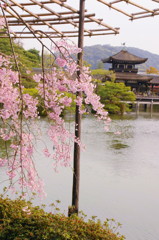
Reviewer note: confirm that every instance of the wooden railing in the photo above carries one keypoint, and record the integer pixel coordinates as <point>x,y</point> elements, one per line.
<point>147,98</point>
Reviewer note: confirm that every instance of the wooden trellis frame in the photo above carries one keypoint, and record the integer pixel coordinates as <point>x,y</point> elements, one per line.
<point>36,22</point>
<point>145,12</point>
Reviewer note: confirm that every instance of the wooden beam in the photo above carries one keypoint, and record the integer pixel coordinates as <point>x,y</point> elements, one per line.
<point>50,19</point>
<point>64,32</point>
<point>41,14</point>
<point>145,12</point>
<point>54,23</point>
<point>115,8</point>
<point>117,1</point>
<point>30,4</point>
<point>145,16</point>
<point>65,36</point>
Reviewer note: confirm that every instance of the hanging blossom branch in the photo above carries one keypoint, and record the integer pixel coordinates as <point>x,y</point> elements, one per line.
<point>17,108</point>
<point>21,102</point>
<point>64,79</point>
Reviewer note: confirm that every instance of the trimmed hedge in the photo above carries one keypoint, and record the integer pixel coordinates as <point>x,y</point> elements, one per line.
<point>19,220</point>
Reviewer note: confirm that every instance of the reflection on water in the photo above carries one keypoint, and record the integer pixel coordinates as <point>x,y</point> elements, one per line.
<point>4,148</point>
<point>119,174</point>
<point>117,144</point>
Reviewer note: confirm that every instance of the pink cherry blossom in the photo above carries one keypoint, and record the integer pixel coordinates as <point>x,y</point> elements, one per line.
<point>46,152</point>
<point>2,22</point>
<point>61,62</point>
<point>26,210</point>
<point>19,111</point>
<point>117,133</point>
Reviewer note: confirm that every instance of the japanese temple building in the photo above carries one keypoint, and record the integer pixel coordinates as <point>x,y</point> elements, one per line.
<point>124,66</point>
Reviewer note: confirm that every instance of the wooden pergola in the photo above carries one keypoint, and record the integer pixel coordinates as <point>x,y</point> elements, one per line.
<point>30,19</point>
<point>39,19</point>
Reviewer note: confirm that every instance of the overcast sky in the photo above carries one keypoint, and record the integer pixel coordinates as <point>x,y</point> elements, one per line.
<point>143,33</point>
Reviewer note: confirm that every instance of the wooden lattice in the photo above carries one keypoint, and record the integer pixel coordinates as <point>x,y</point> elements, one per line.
<point>145,11</point>
<point>39,19</point>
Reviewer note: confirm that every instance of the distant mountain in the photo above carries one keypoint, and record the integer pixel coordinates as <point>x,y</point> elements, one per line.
<point>94,54</point>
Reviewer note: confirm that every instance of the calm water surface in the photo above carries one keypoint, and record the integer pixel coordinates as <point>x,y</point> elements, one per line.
<point>119,174</point>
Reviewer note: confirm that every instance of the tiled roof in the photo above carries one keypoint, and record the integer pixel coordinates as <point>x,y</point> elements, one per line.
<point>124,57</point>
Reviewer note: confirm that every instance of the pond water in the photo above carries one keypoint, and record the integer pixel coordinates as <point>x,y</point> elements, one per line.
<point>119,174</point>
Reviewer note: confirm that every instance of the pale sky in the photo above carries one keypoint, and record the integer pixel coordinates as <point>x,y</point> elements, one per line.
<point>142,33</point>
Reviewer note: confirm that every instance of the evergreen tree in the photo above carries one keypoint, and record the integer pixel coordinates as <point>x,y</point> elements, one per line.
<point>113,96</point>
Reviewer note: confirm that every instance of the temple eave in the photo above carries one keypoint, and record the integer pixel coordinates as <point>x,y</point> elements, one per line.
<point>131,76</point>
<point>124,61</point>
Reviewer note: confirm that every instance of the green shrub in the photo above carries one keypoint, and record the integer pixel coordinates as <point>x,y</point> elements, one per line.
<point>99,71</point>
<point>115,96</point>
<point>19,220</point>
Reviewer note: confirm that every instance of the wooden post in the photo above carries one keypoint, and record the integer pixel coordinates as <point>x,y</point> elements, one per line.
<point>152,90</point>
<point>137,107</point>
<point>76,163</point>
<point>151,108</point>
<point>145,107</point>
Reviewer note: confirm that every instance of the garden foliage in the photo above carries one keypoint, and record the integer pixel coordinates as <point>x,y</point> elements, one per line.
<point>115,96</point>
<point>19,220</point>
